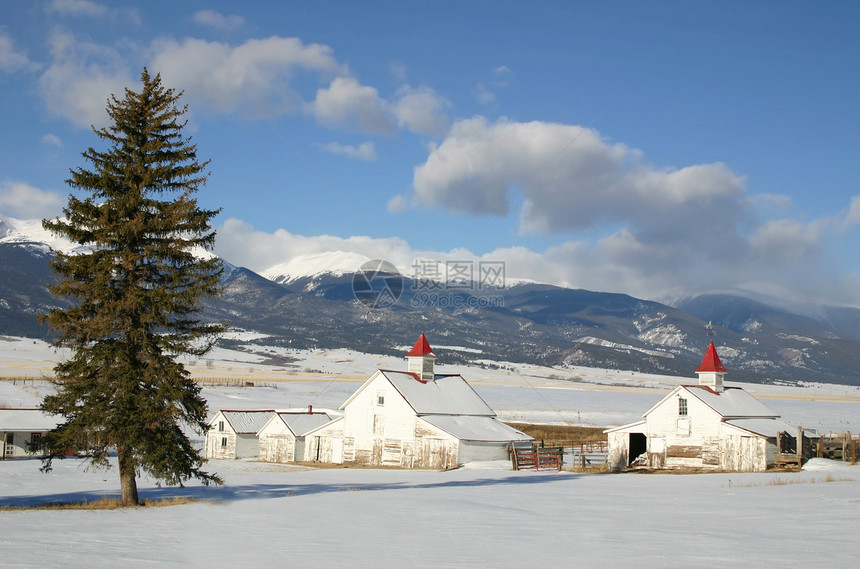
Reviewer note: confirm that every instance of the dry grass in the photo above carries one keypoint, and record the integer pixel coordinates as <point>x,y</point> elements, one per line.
<point>558,433</point>
<point>589,468</point>
<point>103,503</point>
<point>777,481</point>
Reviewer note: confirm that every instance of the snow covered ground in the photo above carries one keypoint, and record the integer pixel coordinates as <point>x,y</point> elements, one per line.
<point>275,515</point>
<point>479,516</point>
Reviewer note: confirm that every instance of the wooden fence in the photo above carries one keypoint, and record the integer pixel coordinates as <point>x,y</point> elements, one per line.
<point>537,458</point>
<point>842,447</point>
<point>554,456</point>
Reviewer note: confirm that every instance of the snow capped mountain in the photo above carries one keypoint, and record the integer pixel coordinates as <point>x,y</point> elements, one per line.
<point>30,232</point>
<point>334,263</point>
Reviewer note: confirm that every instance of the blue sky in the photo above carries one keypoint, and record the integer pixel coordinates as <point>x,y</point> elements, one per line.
<point>654,149</point>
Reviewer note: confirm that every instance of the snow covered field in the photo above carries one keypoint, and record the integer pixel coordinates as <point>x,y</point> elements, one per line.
<point>480,516</point>
<point>273,515</point>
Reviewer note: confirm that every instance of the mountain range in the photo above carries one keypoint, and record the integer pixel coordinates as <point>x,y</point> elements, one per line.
<point>340,300</point>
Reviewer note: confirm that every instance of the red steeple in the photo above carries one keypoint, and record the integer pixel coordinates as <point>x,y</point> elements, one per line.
<point>422,348</point>
<point>711,361</point>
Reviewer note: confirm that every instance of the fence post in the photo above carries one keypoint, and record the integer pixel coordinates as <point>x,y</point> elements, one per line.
<point>799,446</point>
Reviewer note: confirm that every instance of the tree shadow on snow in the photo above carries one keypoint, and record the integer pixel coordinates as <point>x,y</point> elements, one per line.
<point>235,493</point>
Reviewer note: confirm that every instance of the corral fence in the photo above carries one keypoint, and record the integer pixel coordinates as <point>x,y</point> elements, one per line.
<point>536,458</point>
<point>838,446</point>
<point>231,382</point>
<point>558,454</point>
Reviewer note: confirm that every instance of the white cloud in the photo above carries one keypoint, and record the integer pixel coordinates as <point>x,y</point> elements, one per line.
<point>421,110</point>
<point>348,104</point>
<point>12,60</point>
<point>608,265</point>
<point>52,140</point>
<point>81,78</point>
<point>239,243</point>
<point>787,242</point>
<point>649,230</point>
<point>77,8</point>
<point>365,151</point>
<point>772,202</point>
<point>259,78</point>
<point>398,71</point>
<point>397,204</point>
<point>24,201</point>
<point>483,95</point>
<point>570,179</point>
<point>217,20</point>
<point>853,215</point>
<point>252,78</point>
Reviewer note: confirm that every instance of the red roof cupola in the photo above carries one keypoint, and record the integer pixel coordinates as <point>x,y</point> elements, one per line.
<point>421,360</point>
<point>711,361</point>
<point>421,348</point>
<point>711,372</point>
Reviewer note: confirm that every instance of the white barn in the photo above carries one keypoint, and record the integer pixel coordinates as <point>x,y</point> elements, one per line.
<point>282,436</point>
<point>22,427</point>
<point>413,419</point>
<point>701,426</point>
<point>233,433</point>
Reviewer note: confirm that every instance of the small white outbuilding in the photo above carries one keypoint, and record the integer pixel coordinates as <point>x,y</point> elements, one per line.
<point>21,429</point>
<point>413,419</point>
<point>282,436</point>
<point>233,433</point>
<point>701,426</point>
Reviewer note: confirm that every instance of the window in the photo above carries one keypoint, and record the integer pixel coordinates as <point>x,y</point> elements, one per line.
<point>682,407</point>
<point>221,426</point>
<point>35,442</point>
<point>380,399</point>
<point>223,442</point>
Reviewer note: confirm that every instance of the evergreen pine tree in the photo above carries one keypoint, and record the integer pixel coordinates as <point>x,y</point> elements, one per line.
<point>135,296</point>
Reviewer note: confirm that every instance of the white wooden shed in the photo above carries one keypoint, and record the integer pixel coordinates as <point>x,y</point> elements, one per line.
<point>21,427</point>
<point>233,433</point>
<point>413,419</point>
<point>701,426</point>
<point>282,436</point>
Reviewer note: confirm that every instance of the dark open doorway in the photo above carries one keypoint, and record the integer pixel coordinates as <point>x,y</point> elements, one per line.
<point>638,445</point>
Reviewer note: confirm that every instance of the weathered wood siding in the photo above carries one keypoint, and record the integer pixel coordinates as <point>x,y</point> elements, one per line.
<point>277,447</point>
<point>323,445</point>
<point>744,452</point>
<point>618,445</point>
<point>434,448</point>
<point>379,428</point>
<point>220,444</point>
<point>688,441</point>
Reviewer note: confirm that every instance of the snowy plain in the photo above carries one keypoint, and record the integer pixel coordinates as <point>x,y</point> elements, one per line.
<point>482,515</point>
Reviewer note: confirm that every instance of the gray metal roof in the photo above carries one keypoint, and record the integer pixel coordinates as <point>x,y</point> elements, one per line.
<point>733,402</point>
<point>763,426</point>
<point>476,428</point>
<point>301,423</point>
<point>445,395</point>
<point>247,422</point>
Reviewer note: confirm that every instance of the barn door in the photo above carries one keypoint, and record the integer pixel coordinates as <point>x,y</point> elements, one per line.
<point>637,445</point>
